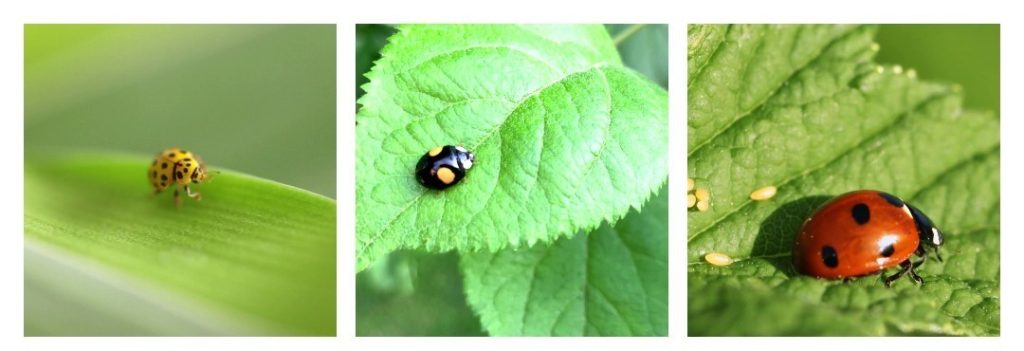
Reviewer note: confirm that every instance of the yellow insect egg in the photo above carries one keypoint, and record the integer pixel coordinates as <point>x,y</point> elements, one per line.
<point>690,200</point>
<point>764,193</point>
<point>718,259</point>
<point>689,184</point>
<point>703,205</point>
<point>702,194</point>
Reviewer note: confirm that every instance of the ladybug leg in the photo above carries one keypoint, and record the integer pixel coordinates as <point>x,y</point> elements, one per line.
<point>937,254</point>
<point>921,251</point>
<point>913,274</point>
<point>904,267</point>
<point>915,277</point>
<point>177,197</point>
<point>924,256</point>
<point>194,195</point>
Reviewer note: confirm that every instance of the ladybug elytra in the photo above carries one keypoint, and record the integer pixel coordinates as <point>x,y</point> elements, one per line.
<point>865,232</point>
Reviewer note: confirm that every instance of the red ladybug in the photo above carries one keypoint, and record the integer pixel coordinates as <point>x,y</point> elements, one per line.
<point>865,232</point>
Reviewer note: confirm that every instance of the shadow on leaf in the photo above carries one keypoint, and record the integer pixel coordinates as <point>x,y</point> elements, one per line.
<point>774,241</point>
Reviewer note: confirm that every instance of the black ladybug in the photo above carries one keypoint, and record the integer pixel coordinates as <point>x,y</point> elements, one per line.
<point>443,166</point>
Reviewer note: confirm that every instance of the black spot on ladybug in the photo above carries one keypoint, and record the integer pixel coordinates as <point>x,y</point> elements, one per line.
<point>895,201</point>
<point>163,177</point>
<point>183,152</point>
<point>178,174</point>
<point>170,155</point>
<point>861,213</point>
<point>188,164</point>
<point>154,174</point>
<point>187,159</point>
<point>163,166</point>
<point>888,250</point>
<point>829,256</point>
<point>163,184</point>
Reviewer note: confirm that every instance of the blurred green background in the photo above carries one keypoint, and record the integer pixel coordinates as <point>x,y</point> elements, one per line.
<point>418,294</point>
<point>966,54</point>
<point>259,99</point>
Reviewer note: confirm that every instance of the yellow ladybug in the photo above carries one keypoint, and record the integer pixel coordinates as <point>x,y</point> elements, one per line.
<point>176,167</point>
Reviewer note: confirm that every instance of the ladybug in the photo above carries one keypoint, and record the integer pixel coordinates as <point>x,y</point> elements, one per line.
<point>864,232</point>
<point>443,166</point>
<point>176,167</point>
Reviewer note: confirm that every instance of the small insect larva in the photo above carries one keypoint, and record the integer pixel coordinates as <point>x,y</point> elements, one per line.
<point>718,259</point>
<point>690,200</point>
<point>764,193</point>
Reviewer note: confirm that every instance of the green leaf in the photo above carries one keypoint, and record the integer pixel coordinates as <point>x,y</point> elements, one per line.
<point>565,137</point>
<point>370,38</point>
<point>257,252</point>
<point>612,281</point>
<point>834,122</point>
<point>410,293</point>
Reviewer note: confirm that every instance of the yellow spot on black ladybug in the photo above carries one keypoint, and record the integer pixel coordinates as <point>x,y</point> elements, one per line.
<point>445,175</point>
<point>435,151</point>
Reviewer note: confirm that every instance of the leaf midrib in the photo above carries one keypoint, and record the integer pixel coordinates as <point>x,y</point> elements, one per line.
<point>761,103</point>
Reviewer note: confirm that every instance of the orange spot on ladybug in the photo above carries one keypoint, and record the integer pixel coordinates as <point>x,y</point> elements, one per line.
<point>445,175</point>
<point>435,151</point>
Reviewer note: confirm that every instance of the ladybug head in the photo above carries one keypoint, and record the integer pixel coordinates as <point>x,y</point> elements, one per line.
<point>935,237</point>
<point>465,157</point>
<point>202,175</point>
<point>926,230</point>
